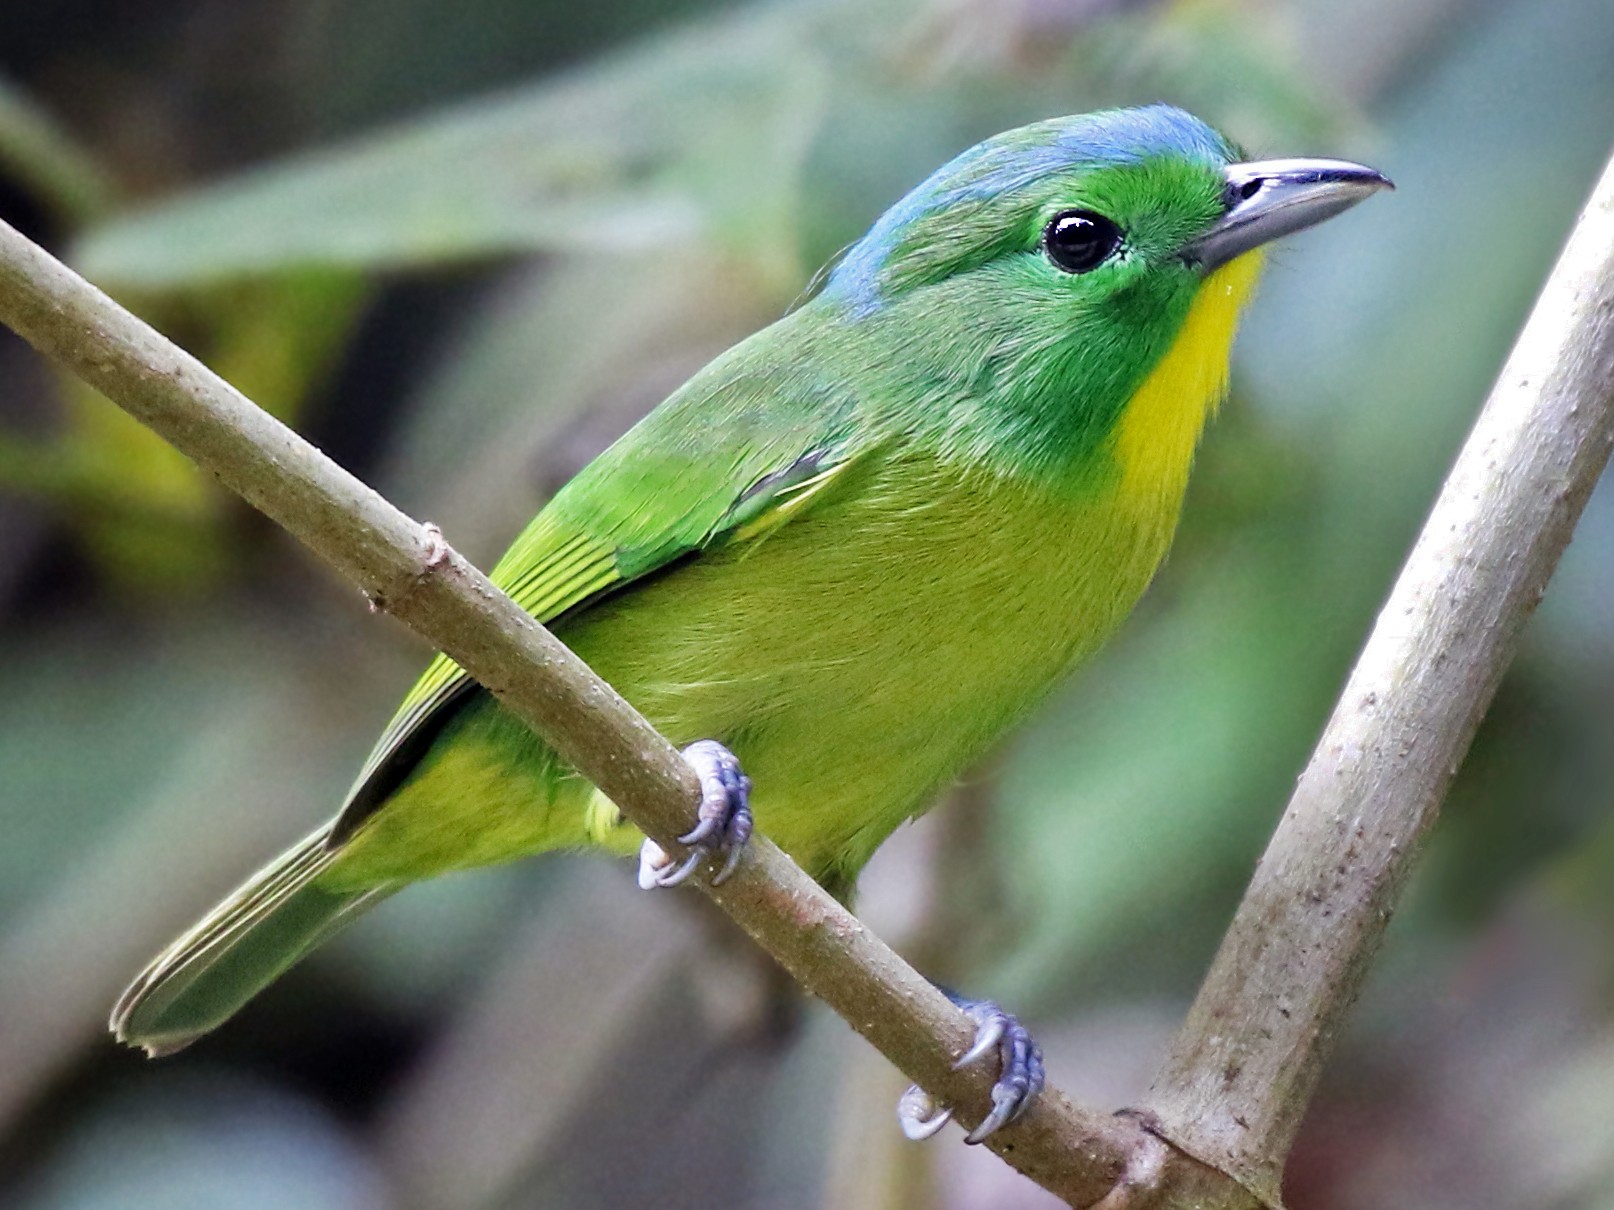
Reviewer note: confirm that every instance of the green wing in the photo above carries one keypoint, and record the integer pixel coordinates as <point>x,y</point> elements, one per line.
<point>692,476</point>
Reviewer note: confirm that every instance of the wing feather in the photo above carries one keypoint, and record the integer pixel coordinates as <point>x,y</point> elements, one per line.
<point>653,498</point>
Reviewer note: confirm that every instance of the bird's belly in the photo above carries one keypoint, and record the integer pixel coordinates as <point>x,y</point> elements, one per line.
<point>862,656</point>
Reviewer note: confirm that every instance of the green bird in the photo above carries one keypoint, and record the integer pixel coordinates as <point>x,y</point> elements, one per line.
<point>844,557</point>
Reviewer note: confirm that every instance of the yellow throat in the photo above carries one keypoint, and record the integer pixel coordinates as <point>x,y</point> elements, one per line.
<point>1155,440</point>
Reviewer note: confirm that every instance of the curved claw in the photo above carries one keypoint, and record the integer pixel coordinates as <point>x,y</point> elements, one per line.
<point>986,1038</point>
<point>918,1115</point>
<point>702,832</point>
<point>1020,1074</point>
<point>671,875</point>
<point>1020,1071</point>
<point>729,865</point>
<point>723,825</point>
<point>1007,1104</point>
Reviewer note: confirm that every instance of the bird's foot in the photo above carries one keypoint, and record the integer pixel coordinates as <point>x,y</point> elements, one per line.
<point>1020,1074</point>
<point>723,821</point>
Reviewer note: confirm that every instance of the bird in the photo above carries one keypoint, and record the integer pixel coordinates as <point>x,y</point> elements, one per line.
<point>845,557</point>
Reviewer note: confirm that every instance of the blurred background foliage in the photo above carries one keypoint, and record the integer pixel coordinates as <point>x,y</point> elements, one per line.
<point>462,246</point>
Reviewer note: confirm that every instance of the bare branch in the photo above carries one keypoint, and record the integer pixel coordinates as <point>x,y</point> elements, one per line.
<point>1245,1065</point>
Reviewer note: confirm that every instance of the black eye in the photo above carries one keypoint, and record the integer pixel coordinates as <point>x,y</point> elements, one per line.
<point>1079,240</point>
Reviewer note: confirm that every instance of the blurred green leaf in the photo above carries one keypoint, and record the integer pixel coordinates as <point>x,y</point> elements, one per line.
<point>699,140</point>
<point>142,512</point>
<point>276,339</point>
<point>38,153</point>
<point>698,137</point>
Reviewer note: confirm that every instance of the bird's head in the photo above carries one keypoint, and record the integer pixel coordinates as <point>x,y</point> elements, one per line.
<point>1054,272</point>
<point>1090,209</point>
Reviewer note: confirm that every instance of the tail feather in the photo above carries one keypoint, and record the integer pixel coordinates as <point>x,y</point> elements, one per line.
<point>241,946</point>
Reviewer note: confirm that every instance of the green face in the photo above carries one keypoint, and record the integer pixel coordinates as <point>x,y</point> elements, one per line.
<point>1145,182</point>
<point>1032,283</point>
<point>1023,292</point>
<point>1082,236</point>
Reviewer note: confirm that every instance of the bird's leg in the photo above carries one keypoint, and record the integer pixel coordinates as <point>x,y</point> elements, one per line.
<point>1020,1074</point>
<point>723,825</point>
<point>723,820</point>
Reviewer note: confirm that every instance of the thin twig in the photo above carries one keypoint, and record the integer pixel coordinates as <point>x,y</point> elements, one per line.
<point>1246,1062</point>
<point>406,568</point>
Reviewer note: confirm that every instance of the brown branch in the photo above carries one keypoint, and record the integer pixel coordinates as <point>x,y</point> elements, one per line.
<point>405,568</point>
<point>1246,1062</point>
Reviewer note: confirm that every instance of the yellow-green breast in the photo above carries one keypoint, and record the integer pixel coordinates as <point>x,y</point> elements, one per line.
<point>857,658</point>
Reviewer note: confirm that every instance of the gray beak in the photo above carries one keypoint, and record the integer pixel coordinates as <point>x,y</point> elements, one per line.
<point>1268,199</point>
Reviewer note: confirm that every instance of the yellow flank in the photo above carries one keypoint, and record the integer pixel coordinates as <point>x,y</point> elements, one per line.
<point>1155,439</point>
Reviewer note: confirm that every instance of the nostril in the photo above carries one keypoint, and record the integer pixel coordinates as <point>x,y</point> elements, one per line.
<point>1239,191</point>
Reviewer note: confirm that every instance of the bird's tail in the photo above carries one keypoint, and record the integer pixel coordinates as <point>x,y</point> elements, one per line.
<point>237,950</point>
